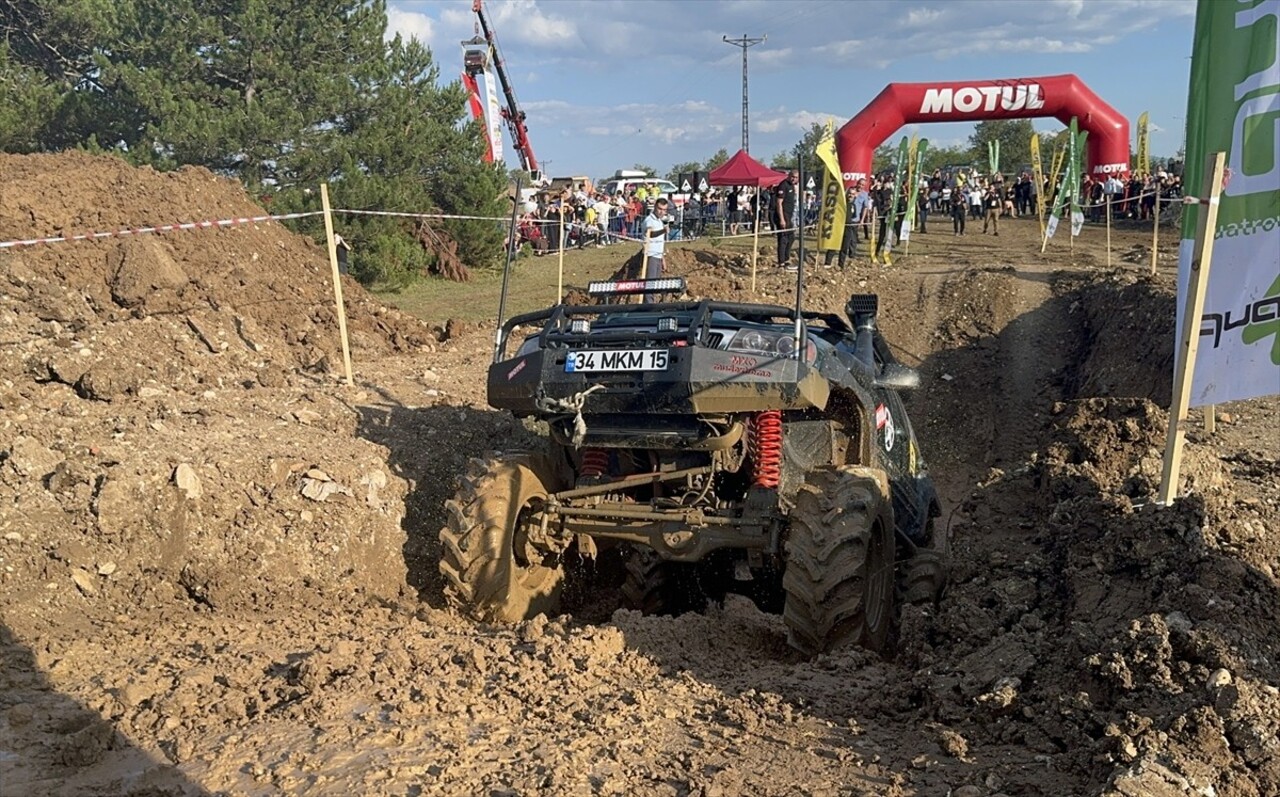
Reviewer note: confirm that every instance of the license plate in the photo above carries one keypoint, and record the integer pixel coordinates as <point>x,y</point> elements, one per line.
<point>614,360</point>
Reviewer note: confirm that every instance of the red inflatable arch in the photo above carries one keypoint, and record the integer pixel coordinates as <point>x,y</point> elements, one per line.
<point>1060,96</point>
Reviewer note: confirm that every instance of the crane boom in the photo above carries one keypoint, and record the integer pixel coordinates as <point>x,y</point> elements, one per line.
<point>512,113</point>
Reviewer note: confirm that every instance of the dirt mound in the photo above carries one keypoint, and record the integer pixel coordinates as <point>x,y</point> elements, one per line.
<point>256,295</point>
<point>171,431</point>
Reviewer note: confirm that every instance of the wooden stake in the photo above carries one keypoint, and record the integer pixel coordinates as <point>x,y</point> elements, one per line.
<point>1108,196</point>
<point>1189,339</point>
<point>560,273</point>
<point>337,281</point>
<point>755,242</point>
<point>1155,232</point>
<point>1210,418</point>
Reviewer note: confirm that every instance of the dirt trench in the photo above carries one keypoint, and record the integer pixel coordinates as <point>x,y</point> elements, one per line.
<point>217,571</point>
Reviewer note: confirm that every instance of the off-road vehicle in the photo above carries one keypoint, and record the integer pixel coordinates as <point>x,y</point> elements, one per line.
<point>729,446</point>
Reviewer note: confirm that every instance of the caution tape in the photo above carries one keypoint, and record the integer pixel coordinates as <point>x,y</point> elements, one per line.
<point>186,225</point>
<point>406,215</point>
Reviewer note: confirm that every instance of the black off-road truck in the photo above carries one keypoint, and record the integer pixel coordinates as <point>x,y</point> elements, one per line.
<point>728,446</point>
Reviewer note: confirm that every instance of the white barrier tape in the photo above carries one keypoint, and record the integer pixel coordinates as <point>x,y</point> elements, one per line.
<point>188,225</point>
<point>402,214</point>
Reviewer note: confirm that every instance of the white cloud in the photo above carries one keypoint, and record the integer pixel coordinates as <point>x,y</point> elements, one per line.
<point>527,22</point>
<point>410,25</point>
<point>782,120</point>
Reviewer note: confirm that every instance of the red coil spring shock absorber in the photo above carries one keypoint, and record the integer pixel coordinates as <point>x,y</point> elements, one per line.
<point>766,448</point>
<point>595,461</point>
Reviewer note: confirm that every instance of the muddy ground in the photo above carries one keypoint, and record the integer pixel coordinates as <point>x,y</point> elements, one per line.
<point>217,561</point>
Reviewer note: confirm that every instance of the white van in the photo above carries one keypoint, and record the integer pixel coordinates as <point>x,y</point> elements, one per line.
<point>624,180</point>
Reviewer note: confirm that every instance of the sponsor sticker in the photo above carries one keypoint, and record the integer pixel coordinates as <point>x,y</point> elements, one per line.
<point>519,367</point>
<point>884,421</point>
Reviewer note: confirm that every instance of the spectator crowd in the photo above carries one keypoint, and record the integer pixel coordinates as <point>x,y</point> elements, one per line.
<point>593,218</point>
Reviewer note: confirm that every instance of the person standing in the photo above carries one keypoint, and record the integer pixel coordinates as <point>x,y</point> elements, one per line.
<point>923,200</point>
<point>784,211</point>
<point>958,216</point>
<point>655,239</point>
<point>735,213</point>
<point>853,216</point>
<point>993,203</point>
<point>975,201</point>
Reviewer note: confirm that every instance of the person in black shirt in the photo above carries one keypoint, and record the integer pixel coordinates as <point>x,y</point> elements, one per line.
<point>784,212</point>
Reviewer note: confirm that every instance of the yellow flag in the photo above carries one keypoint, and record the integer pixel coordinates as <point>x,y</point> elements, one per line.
<point>1143,166</point>
<point>835,208</point>
<point>1037,174</point>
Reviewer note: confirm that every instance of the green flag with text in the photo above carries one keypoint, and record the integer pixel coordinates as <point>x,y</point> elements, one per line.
<point>1234,107</point>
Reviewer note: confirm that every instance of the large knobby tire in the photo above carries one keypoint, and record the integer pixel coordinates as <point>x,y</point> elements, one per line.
<point>654,585</point>
<point>490,570</point>
<point>926,574</point>
<point>839,580</point>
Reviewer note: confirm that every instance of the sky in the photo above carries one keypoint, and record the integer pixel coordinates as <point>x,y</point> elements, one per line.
<point>606,84</point>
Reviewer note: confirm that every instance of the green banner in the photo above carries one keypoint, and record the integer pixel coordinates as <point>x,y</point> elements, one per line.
<point>899,177</point>
<point>1081,138</point>
<point>993,156</point>
<point>913,191</point>
<point>1234,107</point>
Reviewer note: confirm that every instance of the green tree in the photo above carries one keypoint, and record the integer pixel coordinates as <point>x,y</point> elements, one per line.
<point>56,86</point>
<point>884,156</point>
<point>942,157</point>
<point>1014,136</point>
<point>640,167</point>
<point>802,153</point>
<point>717,160</point>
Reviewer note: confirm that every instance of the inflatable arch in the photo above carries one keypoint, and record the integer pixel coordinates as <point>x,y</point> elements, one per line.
<point>1060,96</point>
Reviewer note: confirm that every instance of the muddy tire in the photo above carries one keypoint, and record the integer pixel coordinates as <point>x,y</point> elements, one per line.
<point>839,581</point>
<point>926,573</point>
<point>654,585</point>
<point>491,571</point>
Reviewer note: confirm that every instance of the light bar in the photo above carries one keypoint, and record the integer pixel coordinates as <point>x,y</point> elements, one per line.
<point>580,326</point>
<point>618,287</point>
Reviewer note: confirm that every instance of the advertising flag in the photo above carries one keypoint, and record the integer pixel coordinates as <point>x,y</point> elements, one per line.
<point>1142,163</point>
<point>1037,174</point>
<point>908,191</point>
<point>993,156</point>
<point>835,207</point>
<point>891,212</point>
<point>1069,188</point>
<point>916,156</point>
<point>477,112</point>
<point>1233,107</point>
<point>493,115</point>
<point>1077,168</point>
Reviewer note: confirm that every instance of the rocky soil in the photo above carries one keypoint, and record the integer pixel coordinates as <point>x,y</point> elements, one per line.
<point>218,561</point>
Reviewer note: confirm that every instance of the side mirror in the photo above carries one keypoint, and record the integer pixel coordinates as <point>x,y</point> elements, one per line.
<point>898,377</point>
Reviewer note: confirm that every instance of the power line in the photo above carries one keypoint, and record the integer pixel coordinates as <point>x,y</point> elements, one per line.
<point>744,43</point>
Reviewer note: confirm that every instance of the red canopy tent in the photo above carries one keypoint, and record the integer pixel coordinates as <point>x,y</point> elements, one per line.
<point>742,169</point>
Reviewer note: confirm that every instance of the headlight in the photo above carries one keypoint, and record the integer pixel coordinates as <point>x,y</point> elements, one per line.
<point>776,343</point>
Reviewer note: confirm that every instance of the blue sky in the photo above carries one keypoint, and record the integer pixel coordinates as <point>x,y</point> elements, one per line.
<point>609,83</point>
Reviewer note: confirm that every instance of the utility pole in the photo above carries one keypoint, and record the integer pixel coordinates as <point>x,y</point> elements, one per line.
<point>744,43</point>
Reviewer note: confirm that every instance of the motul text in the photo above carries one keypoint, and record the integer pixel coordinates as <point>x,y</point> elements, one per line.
<point>983,98</point>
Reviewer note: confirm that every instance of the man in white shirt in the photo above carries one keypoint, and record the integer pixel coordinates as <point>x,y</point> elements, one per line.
<point>655,238</point>
<point>602,209</point>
